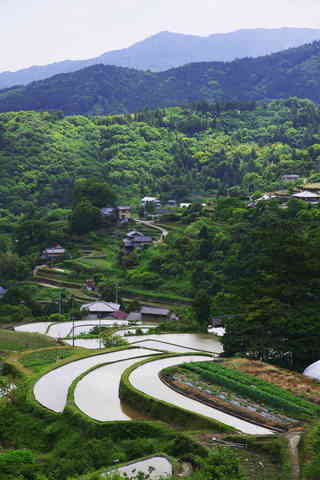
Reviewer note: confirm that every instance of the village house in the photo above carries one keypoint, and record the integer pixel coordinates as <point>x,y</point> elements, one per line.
<point>150,200</point>
<point>99,309</point>
<point>114,214</point>
<point>136,239</point>
<point>3,291</point>
<point>154,314</point>
<point>312,187</point>
<point>108,213</point>
<point>307,196</point>
<point>290,178</point>
<point>216,322</point>
<point>89,285</point>
<point>124,213</point>
<point>54,253</point>
<point>134,317</point>
<point>119,315</point>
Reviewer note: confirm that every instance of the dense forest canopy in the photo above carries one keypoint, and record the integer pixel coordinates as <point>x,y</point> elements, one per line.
<point>178,152</point>
<point>166,50</point>
<point>103,89</point>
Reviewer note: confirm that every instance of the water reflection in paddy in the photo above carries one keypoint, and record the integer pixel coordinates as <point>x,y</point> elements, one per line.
<point>155,467</point>
<point>146,379</point>
<point>313,370</point>
<point>97,394</point>
<point>37,327</point>
<point>51,390</point>
<point>64,329</point>
<point>170,342</point>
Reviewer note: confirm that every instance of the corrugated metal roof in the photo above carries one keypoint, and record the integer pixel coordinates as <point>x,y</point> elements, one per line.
<point>134,317</point>
<point>100,307</point>
<point>154,311</point>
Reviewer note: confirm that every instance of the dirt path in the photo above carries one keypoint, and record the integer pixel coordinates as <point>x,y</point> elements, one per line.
<point>150,224</point>
<point>38,267</point>
<point>293,441</point>
<point>13,359</point>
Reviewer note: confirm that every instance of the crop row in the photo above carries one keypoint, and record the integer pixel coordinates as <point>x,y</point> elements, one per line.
<point>268,387</point>
<point>256,389</point>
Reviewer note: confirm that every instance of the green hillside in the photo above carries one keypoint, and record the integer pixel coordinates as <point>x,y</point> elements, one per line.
<point>103,89</point>
<point>175,152</point>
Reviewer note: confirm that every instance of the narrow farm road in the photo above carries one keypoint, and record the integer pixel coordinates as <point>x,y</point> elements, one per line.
<point>150,224</point>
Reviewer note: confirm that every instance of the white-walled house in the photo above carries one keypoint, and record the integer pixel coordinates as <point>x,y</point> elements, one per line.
<point>99,309</point>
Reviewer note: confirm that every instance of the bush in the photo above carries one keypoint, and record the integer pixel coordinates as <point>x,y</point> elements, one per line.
<point>16,463</point>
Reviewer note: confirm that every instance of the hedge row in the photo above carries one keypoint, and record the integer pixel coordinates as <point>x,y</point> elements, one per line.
<point>164,411</point>
<point>59,283</point>
<point>252,391</point>
<point>161,297</point>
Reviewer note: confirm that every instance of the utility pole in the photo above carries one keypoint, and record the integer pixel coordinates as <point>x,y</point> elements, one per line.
<point>117,292</point>
<point>60,302</point>
<point>72,319</point>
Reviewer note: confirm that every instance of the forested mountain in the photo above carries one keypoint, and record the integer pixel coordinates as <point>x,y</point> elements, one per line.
<point>166,50</point>
<point>174,152</point>
<point>104,89</point>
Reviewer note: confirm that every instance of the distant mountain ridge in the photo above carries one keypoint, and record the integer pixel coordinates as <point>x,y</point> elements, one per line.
<point>167,50</point>
<point>105,89</point>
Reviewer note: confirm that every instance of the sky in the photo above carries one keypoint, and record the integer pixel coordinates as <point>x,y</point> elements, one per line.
<point>38,32</point>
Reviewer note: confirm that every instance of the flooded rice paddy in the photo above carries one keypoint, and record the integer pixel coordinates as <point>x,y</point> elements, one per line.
<point>146,379</point>
<point>64,329</point>
<point>155,467</point>
<point>51,390</point>
<point>168,342</point>
<point>313,370</point>
<point>97,394</point>
<point>37,327</point>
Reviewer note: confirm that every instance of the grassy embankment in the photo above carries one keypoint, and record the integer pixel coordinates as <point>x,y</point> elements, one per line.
<point>256,389</point>
<point>133,439</point>
<point>19,341</point>
<point>165,411</point>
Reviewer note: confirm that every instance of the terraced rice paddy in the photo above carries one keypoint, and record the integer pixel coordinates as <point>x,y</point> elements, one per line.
<point>168,342</point>
<point>97,395</point>
<point>146,379</point>
<point>313,370</point>
<point>155,467</point>
<point>51,390</point>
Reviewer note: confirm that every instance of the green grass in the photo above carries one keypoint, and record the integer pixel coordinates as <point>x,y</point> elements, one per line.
<point>95,263</point>
<point>18,341</point>
<point>256,389</point>
<point>37,360</point>
<point>148,293</point>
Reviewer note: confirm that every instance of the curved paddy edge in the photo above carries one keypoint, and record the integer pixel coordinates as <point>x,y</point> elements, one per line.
<point>102,471</point>
<point>162,410</point>
<point>30,398</point>
<point>71,404</point>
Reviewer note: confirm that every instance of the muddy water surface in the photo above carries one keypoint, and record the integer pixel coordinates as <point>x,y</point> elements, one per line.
<point>146,379</point>
<point>313,370</point>
<point>64,329</point>
<point>38,327</point>
<point>168,342</point>
<point>155,467</point>
<point>97,394</point>
<point>51,390</point>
